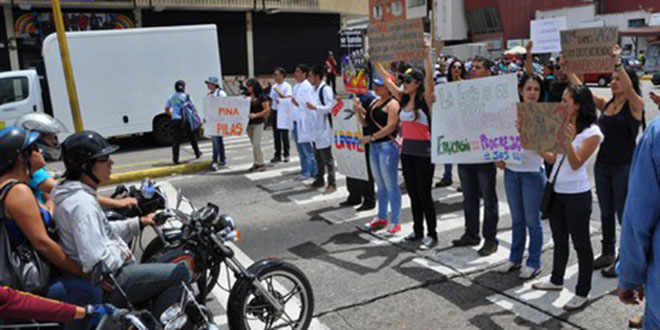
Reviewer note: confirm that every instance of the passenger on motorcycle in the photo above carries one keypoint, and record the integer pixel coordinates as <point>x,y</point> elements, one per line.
<point>27,219</point>
<point>100,246</point>
<point>43,182</point>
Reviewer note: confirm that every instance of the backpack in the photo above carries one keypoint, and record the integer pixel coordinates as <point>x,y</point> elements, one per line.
<point>189,114</point>
<point>323,103</point>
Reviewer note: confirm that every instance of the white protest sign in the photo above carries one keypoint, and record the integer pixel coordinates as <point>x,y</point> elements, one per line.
<point>284,113</point>
<point>545,34</point>
<point>226,116</point>
<point>346,149</point>
<point>474,121</point>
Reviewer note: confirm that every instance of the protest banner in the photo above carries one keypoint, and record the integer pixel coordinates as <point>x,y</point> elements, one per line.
<point>397,41</point>
<point>589,50</point>
<point>226,116</point>
<point>545,34</point>
<point>474,121</point>
<point>346,149</point>
<point>542,126</point>
<point>284,114</point>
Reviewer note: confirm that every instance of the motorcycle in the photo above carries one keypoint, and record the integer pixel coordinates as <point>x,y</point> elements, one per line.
<point>271,293</point>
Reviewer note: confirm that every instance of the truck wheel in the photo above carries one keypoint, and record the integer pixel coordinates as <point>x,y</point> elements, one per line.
<point>602,82</point>
<point>162,130</point>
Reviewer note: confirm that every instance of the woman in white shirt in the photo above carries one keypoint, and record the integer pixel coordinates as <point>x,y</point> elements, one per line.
<point>571,205</point>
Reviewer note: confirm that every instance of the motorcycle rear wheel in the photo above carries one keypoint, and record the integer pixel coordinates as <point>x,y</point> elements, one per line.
<point>288,284</point>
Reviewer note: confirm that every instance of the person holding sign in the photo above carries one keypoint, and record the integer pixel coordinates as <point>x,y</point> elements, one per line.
<point>524,184</point>
<point>478,181</point>
<point>322,104</point>
<point>619,121</point>
<point>259,109</point>
<point>218,159</point>
<point>382,117</point>
<point>571,204</point>
<point>280,91</point>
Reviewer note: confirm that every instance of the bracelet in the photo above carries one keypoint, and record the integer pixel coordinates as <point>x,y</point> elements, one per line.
<point>89,310</point>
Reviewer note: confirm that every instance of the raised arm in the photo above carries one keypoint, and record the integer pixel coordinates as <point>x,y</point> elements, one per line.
<point>573,79</point>
<point>635,100</point>
<point>428,78</point>
<point>391,86</point>
<point>529,67</point>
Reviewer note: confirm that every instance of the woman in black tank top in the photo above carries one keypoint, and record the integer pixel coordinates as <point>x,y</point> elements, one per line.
<point>619,121</point>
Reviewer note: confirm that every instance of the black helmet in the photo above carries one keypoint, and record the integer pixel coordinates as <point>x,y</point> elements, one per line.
<point>180,86</point>
<point>13,141</point>
<point>84,148</point>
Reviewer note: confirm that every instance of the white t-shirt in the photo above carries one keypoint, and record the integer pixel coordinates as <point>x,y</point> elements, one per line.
<point>571,181</point>
<point>531,161</point>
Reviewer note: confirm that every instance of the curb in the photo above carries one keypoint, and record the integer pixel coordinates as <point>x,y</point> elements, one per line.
<point>646,77</point>
<point>158,172</point>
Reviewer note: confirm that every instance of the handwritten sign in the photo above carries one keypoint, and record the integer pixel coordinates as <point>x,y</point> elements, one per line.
<point>545,34</point>
<point>346,148</point>
<point>397,41</point>
<point>474,121</point>
<point>589,50</point>
<point>542,126</point>
<point>284,114</point>
<point>226,116</point>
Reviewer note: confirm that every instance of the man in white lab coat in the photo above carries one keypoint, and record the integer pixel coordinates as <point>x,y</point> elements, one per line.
<point>280,91</point>
<point>322,103</point>
<point>302,130</point>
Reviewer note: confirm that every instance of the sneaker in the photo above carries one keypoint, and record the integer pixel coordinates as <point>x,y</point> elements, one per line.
<point>376,224</point>
<point>253,168</point>
<point>330,189</point>
<point>489,248</point>
<point>576,303</point>
<point>301,177</point>
<point>286,159</point>
<point>466,240</point>
<point>508,267</point>
<point>366,207</point>
<point>547,286</point>
<point>392,229</point>
<point>529,272</point>
<point>260,168</point>
<point>275,160</point>
<point>603,261</point>
<point>443,183</point>
<point>318,184</point>
<point>609,272</point>
<point>412,237</point>
<point>215,166</point>
<point>428,243</point>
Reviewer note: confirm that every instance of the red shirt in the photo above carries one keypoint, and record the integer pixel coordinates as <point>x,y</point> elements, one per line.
<point>18,305</point>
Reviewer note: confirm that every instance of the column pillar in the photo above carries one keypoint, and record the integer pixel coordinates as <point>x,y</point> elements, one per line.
<point>12,46</point>
<point>250,42</point>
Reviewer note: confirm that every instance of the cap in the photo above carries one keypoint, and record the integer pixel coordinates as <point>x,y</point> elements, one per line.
<point>213,80</point>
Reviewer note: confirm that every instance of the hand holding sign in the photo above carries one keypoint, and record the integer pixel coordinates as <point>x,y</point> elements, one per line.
<point>542,126</point>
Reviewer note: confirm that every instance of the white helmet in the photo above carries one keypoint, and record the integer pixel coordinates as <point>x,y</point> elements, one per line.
<point>45,124</point>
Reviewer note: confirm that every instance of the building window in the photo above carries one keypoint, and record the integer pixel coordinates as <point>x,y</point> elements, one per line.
<point>484,20</point>
<point>638,22</point>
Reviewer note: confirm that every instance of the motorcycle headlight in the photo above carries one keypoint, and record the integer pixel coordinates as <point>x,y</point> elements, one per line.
<point>178,323</point>
<point>170,314</point>
<point>224,223</point>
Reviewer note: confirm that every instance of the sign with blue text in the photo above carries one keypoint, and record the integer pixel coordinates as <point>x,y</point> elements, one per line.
<point>346,149</point>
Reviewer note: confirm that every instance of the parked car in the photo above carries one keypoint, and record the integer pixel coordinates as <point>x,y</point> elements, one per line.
<point>656,79</point>
<point>600,78</point>
<point>632,62</point>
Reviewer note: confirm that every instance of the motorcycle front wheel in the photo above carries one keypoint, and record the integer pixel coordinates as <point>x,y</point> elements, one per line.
<point>248,309</point>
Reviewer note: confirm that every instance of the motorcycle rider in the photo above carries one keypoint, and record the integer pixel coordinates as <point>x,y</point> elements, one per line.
<point>43,182</point>
<point>98,245</point>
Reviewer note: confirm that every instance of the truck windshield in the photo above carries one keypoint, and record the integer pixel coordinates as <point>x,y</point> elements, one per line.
<point>13,89</point>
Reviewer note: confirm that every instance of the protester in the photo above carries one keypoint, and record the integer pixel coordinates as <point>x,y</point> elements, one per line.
<point>524,184</point>
<point>281,90</point>
<point>218,160</point>
<point>331,70</point>
<point>322,104</point>
<point>478,181</point>
<point>571,205</point>
<point>382,117</point>
<point>360,191</point>
<point>259,109</point>
<point>100,246</point>
<point>456,73</point>
<point>181,111</point>
<point>303,91</point>
<point>29,221</point>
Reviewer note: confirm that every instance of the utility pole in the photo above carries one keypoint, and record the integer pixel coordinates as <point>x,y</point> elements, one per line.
<point>66,65</point>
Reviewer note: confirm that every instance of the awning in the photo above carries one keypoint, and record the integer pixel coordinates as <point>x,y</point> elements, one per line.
<point>645,31</point>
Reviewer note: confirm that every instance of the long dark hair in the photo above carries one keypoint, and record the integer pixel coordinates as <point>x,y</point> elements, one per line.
<point>257,90</point>
<point>586,107</point>
<point>523,80</point>
<point>450,77</point>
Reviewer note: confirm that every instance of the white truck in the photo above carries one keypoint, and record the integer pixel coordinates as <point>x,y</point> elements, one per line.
<point>123,78</point>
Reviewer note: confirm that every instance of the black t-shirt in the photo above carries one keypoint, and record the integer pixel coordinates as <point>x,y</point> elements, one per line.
<point>365,101</point>
<point>257,106</point>
<point>620,133</point>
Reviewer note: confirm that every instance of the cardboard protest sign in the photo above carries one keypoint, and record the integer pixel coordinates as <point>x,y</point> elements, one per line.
<point>545,34</point>
<point>589,50</point>
<point>226,116</point>
<point>347,151</point>
<point>474,121</point>
<point>284,114</point>
<point>542,126</point>
<point>397,41</point>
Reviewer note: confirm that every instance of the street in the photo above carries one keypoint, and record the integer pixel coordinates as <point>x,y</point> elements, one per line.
<point>367,280</point>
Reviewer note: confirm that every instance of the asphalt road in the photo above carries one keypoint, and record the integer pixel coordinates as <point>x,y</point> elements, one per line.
<point>371,281</point>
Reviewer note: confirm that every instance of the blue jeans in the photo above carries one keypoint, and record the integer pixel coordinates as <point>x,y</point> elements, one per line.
<point>611,188</point>
<point>447,175</point>
<point>384,157</point>
<point>218,149</point>
<point>476,178</point>
<point>306,155</point>
<point>524,191</point>
<point>77,291</point>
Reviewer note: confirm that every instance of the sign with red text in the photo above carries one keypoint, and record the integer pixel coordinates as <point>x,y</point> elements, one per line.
<point>542,126</point>
<point>346,149</point>
<point>226,116</point>
<point>474,121</point>
<point>589,50</point>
